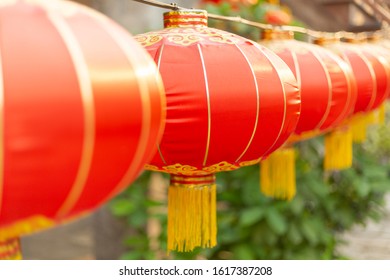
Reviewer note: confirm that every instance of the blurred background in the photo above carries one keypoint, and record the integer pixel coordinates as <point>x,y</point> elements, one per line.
<point>337,215</point>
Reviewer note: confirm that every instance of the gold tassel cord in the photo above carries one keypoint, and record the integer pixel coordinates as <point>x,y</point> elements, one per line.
<point>338,149</point>
<point>192,218</point>
<point>10,249</point>
<point>277,174</point>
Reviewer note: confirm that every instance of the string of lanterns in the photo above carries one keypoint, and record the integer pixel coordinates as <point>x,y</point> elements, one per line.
<point>334,101</point>
<point>85,109</point>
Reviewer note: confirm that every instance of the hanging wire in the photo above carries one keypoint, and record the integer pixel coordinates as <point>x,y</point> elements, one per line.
<point>265,26</point>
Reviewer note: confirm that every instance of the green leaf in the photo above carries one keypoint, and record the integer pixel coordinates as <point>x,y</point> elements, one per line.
<point>251,216</point>
<point>308,231</point>
<point>294,234</point>
<point>276,221</point>
<point>243,252</point>
<point>122,207</point>
<point>362,188</point>
<point>297,206</point>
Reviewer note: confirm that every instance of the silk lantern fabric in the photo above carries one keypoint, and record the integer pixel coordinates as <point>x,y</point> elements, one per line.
<point>230,102</point>
<point>328,93</point>
<point>82,109</point>
<point>372,74</point>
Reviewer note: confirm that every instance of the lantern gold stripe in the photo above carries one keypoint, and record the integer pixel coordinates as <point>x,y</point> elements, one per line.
<point>284,101</point>
<point>1,132</point>
<point>208,107</point>
<point>158,67</point>
<point>89,114</point>
<point>297,69</point>
<point>347,106</point>
<point>143,71</point>
<point>257,105</point>
<point>373,77</point>
<point>386,66</point>
<point>330,96</point>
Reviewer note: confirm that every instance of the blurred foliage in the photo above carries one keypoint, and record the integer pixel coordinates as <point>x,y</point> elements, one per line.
<point>254,10</point>
<point>252,226</point>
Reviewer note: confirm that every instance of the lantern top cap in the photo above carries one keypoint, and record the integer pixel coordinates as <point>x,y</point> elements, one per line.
<point>185,18</point>
<point>326,40</point>
<point>276,34</point>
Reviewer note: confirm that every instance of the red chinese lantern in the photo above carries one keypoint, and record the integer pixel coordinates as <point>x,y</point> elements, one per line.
<point>372,75</point>
<point>230,102</point>
<point>328,94</point>
<point>82,108</point>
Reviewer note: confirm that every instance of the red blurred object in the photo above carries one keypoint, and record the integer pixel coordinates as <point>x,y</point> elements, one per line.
<point>278,17</point>
<point>328,89</point>
<point>230,103</point>
<point>371,69</point>
<point>328,94</point>
<point>212,1</point>
<point>82,109</point>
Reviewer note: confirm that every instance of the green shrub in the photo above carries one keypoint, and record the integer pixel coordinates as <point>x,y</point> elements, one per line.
<point>252,226</point>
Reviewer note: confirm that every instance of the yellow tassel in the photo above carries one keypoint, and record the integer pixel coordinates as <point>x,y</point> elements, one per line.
<point>277,174</point>
<point>338,149</point>
<point>381,114</point>
<point>192,218</point>
<point>358,125</point>
<point>10,249</point>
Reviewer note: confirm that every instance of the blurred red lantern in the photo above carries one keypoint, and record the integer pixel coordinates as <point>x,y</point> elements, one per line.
<point>82,109</point>
<point>230,102</point>
<point>277,16</point>
<point>372,75</point>
<point>328,94</point>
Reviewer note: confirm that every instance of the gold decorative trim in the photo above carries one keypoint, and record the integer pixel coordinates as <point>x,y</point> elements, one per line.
<point>188,170</point>
<point>86,92</point>
<point>25,226</point>
<point>189,35</point>
<point>257,105</point>
<point>222,166</point>
<point>250,162</point>
<point>151,167</point>
<point>183,169</point>
<point>148,40</point>
<point>10,249</point>
<point>208,107</point>
<point>305,135</point>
